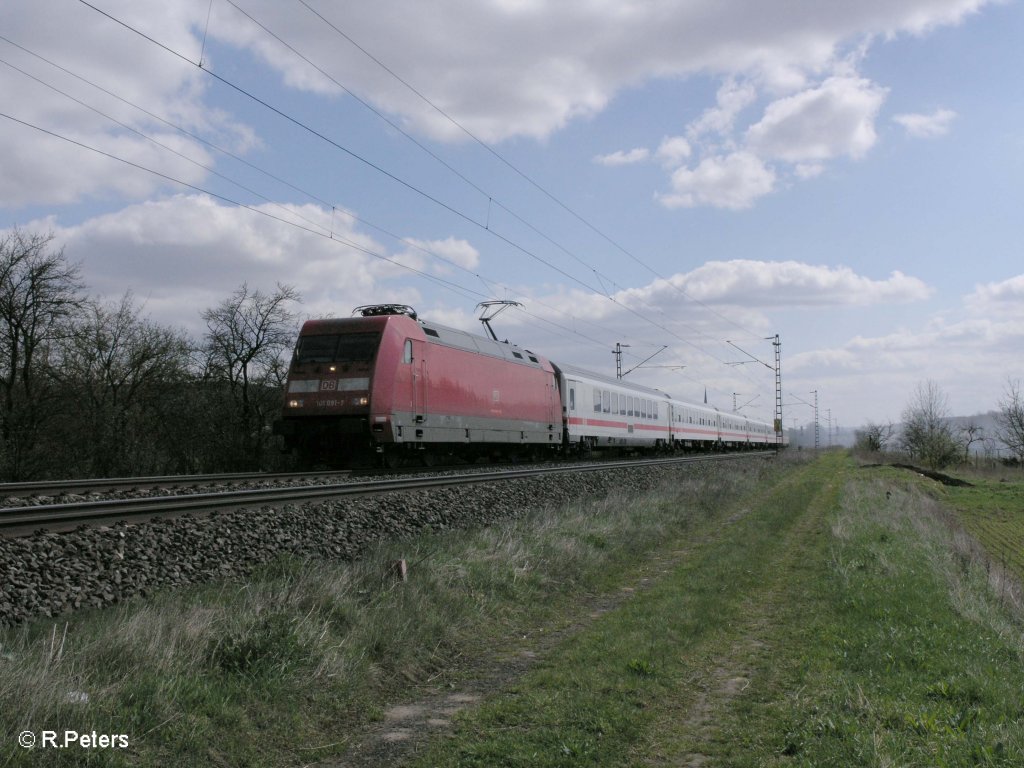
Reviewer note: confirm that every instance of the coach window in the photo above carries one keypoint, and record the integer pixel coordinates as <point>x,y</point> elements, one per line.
<point>655,409</point>
<point>407,351</point>
<point>572,398</point>
<point>615,402</point>
<point>607,401</point>
<point>597,400</point>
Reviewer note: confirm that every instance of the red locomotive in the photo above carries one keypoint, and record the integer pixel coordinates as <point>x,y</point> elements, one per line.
<point>386,384</point>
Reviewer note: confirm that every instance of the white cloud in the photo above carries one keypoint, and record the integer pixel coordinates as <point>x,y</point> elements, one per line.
<point>732,98</point>
<point>185,253</point>
<point>526,69</point>
<point>734,181</point>
<point>1003,297</point>
<point>673,150</point>
<point>927,126</point>
<point>502,70</point>
<point>836,118</point>
<point>873,376</point>
<point>798,134</point>
<point>639,154</point>
<point>440,256</point>
<point>39,168</point>
<point>790,284</point>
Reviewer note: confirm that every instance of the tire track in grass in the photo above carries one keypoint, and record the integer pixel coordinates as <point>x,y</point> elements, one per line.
<point>732,661</point>
<point>659,663</point>
<point>884,649</point>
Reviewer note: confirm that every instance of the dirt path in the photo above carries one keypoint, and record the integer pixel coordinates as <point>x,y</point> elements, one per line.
<point>407,727</point>
<point>739,668</point>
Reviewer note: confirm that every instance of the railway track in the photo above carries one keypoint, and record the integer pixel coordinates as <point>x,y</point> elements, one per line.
<point>19,521</point>
<point>99,485</point>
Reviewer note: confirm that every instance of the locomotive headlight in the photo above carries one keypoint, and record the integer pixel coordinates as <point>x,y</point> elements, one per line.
<point>295,403</point>
<point>333,368</point>
<point>362,401</point>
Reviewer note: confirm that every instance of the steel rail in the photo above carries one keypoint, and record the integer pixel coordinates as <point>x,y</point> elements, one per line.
<point>16,521</point>
<point>59,487</point>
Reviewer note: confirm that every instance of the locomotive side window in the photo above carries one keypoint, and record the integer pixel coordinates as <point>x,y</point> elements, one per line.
<point>407,351</point>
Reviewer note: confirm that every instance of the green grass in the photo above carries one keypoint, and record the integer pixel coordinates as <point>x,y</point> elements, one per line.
<point>993,511</point>
<point>835,622</point>
<point>288,667</point>
<point>807,613</point>
<point>606,692</point>
<point>900,654</point>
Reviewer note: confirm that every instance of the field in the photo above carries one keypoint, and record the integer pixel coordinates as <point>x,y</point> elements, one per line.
<point>805,612</point>
<point>993,511</point>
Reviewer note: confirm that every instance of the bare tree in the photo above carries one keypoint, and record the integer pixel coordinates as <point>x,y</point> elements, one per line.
<point>927,434</point>
<point>1010,419</point>
<point>245,339</point>
<point>873,438</point>
<point>39,295</point>
<point>121,367</point>
<point>969,433</point>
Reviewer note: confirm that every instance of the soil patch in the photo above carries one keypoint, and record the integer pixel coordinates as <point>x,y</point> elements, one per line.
<point>929,473</point>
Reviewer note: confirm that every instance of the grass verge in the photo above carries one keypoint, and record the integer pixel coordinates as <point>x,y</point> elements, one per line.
<point>288,667</point>
<point>810,614</point>
<point>993,511</point>
<point>836,620</point>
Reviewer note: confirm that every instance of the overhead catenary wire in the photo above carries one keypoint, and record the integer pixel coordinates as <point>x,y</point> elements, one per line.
<point>375,166</point>
<point>462,290</point>
<point>489,284</point>
<point>427,276</point>
<point>448,285</point>
<point>491,200</point>
<point>505,161</point>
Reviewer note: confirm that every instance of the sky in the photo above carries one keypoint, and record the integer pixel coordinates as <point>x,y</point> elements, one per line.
<point>685,178</point>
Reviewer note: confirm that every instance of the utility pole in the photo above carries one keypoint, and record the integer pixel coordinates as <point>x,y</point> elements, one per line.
<point>778,381</point>
<point>778,392</point>
<point>618,358</point>
<point>817,428</point>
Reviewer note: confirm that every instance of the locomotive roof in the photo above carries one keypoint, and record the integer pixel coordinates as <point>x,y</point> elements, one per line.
<point>453,337</point>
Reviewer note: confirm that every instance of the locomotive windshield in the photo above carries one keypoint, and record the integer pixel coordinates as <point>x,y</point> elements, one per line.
<point>337,348</point>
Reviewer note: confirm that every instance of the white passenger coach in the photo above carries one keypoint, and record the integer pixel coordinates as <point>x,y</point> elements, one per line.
<point>601,412</point>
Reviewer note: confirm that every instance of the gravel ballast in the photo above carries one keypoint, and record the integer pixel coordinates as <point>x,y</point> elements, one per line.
<point>48,574</point>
